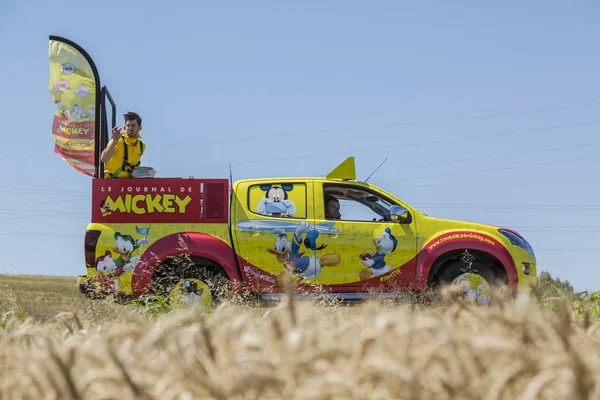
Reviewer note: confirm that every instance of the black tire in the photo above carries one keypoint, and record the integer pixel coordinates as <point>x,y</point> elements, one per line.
<point>168,277</point>
<point>457,268</point>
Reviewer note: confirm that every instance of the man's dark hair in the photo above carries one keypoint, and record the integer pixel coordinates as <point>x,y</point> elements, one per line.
<point>330,198</point>
<point>132,116</point>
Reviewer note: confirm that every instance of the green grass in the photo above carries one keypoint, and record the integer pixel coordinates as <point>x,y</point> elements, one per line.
<point>36,288</point>
<point>42,298</point>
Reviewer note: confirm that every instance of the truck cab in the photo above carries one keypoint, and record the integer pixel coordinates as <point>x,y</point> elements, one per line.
<point>178,237</point>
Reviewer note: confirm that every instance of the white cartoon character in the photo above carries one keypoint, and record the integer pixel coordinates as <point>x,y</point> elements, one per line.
<point>190,294</point>
<point>108,272</point>
<point>473,295</point>
<point>276,202</point>
<point>77,113</point>
<point>375,263</point>
<point>105,264</point>
<point>482,299</point>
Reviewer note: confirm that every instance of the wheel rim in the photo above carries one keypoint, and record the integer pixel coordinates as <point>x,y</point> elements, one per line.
<point>191,292</point>
<point>474,289</point>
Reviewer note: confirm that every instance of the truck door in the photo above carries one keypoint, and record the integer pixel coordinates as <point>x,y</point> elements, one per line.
<point>266,217</point>
<point>371,249</point>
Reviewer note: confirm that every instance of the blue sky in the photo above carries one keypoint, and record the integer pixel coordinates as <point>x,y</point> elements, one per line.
<point>486,112</point>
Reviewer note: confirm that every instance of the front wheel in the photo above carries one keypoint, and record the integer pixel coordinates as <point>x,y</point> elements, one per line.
<point>471,282</point>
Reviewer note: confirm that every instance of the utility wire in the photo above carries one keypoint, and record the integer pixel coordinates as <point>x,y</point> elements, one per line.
<point>389,125</point>
<point>362,150</point>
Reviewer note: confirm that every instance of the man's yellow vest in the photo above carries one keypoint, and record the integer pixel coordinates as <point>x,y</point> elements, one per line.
<point>128,153</point>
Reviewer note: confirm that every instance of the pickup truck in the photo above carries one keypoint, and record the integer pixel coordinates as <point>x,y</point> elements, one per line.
<point>178,236</point>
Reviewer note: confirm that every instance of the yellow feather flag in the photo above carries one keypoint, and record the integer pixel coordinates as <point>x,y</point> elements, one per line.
<point>75,90</point>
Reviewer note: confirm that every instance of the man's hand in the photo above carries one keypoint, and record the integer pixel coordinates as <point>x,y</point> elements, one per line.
<point>109,151</point>
<point>116,133</point>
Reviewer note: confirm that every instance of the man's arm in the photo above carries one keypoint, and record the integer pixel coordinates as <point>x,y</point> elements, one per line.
<point>109,151</point>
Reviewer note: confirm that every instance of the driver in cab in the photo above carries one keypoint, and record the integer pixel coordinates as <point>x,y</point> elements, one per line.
<point>332,208</point>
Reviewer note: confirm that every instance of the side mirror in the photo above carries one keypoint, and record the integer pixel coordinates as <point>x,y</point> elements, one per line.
<point>399,214</point>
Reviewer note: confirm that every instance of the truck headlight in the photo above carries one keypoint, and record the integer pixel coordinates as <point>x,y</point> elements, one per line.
<point>517,241</point>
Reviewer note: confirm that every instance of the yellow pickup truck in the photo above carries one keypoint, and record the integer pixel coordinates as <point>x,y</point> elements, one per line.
<point>333,235</point>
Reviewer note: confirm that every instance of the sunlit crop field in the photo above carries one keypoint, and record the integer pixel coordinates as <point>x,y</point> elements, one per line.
<point>56,345</point>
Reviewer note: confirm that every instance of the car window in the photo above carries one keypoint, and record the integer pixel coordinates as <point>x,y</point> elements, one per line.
<point>359,205</point>
<point>278,199</point>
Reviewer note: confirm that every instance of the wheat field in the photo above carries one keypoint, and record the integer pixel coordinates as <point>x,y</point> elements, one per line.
<point>60,346</point>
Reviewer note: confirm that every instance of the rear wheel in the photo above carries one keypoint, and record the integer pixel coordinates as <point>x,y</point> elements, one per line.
<point>202,286</point>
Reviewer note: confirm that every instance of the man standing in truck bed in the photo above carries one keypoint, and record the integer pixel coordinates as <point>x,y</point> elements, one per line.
<point>124,151</point>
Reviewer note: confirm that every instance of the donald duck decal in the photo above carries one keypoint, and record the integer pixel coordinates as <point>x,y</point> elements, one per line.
<point>375,264</point>
<point>308,266</point>
<point>288,252</point>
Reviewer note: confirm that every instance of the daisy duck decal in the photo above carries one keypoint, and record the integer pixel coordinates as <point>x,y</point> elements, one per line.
<point>375,263</point>
<point>275,203</point>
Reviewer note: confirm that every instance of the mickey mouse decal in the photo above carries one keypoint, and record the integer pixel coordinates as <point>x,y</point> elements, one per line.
<point>276,202</point>
<point>105,208</point>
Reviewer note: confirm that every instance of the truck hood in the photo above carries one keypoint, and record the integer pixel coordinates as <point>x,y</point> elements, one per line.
<point>443,224</point>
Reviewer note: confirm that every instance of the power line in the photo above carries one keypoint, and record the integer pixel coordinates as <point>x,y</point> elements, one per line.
<point>62,193</point>
<point>32,191</point>
<point>44,234</point>
<point>488,156</point>
<point>389,125</point>
<point>491,169</point>
<point>362,150</point>
<point>573,250</point>
<point>377,149</point>
<point>8,211</point>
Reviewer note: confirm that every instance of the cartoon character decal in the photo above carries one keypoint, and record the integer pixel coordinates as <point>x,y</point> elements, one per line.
<point>110,269</point>
<point>480,295</point>
<point>282,246</point>
<point>105,264</point>
<point>108,272</point>
<point>77,113</point>
<point>190,294</point>
<point>275,203</point>
<point>125,245</point>
<point>105,208</point>
<point>375,263</point>
<point>302,255</point>
<point>308,266</point>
